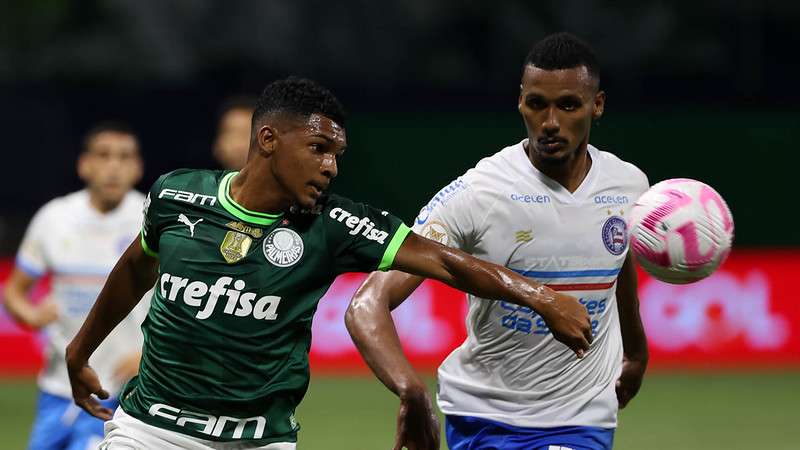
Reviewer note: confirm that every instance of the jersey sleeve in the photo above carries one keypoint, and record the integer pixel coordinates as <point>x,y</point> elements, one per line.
<point>449,218</point>
<point>32,256</point>
<point>153,218</point>
<point>362,238</point>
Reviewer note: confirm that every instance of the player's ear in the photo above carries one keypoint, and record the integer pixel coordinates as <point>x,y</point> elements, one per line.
<point>266,138</point>
<point>519,99</point>
<point>599,105</point>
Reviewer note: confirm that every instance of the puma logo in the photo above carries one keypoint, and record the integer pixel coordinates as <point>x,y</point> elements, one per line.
<point>185,220</point>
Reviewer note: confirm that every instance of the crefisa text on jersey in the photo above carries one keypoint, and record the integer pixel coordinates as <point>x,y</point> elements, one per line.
<point>239,303</point>
<point>358,225</point>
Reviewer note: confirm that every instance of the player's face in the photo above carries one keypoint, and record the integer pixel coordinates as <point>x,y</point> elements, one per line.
<point>558,107</point>
<point>233,138</point>
<point>307,159</point>
<point>110,166</point>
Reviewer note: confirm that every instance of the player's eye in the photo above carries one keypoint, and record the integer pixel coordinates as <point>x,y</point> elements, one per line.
<point>316,147</point>
<point>535,103</point>
<point>569,105</point>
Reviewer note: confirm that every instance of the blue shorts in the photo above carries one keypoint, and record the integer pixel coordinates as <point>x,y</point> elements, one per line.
<point>471,433</point>
<point>61,425</point>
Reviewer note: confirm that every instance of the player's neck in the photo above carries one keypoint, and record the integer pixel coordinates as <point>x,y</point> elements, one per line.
<point>101,205</point>
<point>256,192</point>
<point>569,173</point>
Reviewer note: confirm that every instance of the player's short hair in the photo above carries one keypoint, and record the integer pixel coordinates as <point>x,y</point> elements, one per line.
<point>114,126</point>
<point>563,51</point>
<point>298,96</point>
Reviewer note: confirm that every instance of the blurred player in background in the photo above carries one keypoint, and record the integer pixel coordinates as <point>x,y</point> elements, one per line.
<point>77,239</point>
<point>240,261</point>
<point>232,142</point>
<point>552,208</point>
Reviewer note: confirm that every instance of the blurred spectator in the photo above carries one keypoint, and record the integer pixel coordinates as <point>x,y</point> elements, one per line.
<point>233,132</point>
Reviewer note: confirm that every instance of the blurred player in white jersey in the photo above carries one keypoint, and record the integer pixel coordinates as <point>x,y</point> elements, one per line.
<point>553,208</point>
<point>77,239</point>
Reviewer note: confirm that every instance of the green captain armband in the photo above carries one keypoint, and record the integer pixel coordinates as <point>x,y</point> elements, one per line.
<point>393,247</point>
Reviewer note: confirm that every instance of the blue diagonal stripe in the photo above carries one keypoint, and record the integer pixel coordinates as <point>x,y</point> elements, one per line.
<point>567,273</point>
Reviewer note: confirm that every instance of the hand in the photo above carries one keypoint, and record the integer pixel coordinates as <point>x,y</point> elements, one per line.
<point>84,383</point>
<point>128,367</point>
<point>41,315</point>
<point>569,322</point>
<point>630,380</point>
<point>417,423</point>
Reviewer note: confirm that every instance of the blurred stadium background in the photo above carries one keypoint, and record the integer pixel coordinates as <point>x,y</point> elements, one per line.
<point>704,90</point>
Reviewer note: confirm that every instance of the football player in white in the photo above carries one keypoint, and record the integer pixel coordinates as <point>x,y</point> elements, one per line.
<point>552,208</point>
<point>77,239</point>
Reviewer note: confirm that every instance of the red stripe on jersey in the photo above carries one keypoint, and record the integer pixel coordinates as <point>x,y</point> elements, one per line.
<point>581,286</point>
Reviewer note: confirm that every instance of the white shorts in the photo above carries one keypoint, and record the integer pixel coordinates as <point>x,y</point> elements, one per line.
<point>124,432</point>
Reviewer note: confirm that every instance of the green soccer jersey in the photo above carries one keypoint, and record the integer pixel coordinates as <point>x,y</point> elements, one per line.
<point>227,336</point>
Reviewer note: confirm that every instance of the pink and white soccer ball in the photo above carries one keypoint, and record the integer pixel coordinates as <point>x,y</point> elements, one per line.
<point>681,230</point>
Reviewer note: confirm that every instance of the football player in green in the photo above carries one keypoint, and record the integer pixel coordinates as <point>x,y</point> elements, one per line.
<point>239,261</point>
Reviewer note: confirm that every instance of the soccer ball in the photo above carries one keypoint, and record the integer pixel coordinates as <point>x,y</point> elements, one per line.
<point>681,230</point>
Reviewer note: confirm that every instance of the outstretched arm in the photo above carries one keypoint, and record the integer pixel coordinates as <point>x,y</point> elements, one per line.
<point>634,341</point>
<point>566,317</point>
<point>134,273</point>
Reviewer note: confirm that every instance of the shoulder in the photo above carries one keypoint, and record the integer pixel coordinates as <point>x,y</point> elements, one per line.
<point>132,203</point>
<point>492,173</point>
<point>615,166</point>
<point>341,215</point>
<point>337,207</point>
<point>478,188</point>
<point>190,178</point>
<point>60,206</point>
<point>134,197</point>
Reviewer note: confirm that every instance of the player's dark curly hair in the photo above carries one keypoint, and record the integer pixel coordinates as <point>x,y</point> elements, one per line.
<point>299,96</point>
<point>563,51</point>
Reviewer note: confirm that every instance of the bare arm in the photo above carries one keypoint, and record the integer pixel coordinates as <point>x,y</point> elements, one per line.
<point>369,321</point>
<point>19,305</point>
<point>566,317</point>
<point>371,326</point>
<point>134,273</point>
<point>634,341</point>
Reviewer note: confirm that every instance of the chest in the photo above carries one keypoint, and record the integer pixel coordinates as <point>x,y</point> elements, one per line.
<point>278,258</point>
<point>542,231</point>
<point>89,244</point>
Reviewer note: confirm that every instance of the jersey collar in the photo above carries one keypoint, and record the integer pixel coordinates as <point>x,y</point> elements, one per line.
<point>239,211</point>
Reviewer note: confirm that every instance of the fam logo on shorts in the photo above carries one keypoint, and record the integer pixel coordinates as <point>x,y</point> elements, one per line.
<point>615,235</point>
<point>283,247</point>
<point>436,231</point>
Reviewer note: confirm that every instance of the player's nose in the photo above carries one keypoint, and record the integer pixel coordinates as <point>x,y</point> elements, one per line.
<point>329,167</point>
<point>551,124</point>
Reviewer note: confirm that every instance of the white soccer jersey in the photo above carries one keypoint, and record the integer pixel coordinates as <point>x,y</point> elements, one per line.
<point>510,368</point>
<point>79,246</point>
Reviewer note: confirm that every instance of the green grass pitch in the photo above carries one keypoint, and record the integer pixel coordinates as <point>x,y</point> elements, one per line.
<point>673,411</point>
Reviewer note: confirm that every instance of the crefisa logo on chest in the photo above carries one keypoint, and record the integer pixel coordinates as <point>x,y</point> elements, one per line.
<point>615,235</point>
<point>283,247</point>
